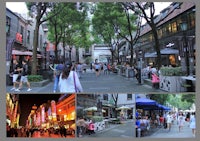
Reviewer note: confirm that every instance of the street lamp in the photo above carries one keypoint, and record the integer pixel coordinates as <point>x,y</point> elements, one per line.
<point>183,26</point>
<point>7,28</point>
<point>99,105</point>
<point>45,45</point>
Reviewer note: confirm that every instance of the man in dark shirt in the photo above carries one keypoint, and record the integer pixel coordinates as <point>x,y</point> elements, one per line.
<point>16,72</point>
<point>24,77</point>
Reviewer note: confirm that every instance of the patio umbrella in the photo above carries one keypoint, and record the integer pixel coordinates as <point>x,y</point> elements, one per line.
<point>123,108</point>
<point>93,109</point>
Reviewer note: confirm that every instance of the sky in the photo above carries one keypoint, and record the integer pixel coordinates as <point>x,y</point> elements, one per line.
<point>20,7</point>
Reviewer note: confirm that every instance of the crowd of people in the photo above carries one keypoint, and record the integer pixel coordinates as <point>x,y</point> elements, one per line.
<point>145,123</point>
<point>33,132</point>
<point>85,126</point>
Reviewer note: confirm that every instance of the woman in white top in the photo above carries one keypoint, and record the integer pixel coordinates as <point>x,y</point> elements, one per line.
<point>69,81</point>
<point>193,123</point>
<point>181,120</point>
<point>169,121</point>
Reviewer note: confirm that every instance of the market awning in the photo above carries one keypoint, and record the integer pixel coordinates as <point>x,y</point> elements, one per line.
<point>145,101</point>
<point>150,55</point>
<point>168,51</point>
<point>26,53</point>
<point>17,52</point>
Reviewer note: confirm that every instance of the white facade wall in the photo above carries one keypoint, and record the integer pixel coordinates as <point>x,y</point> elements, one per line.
<point>100,53</point>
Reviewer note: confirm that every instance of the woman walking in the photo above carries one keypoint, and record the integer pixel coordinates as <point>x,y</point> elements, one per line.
<point>180,121</point>
<point>69,81</point>
<point>193,123</point>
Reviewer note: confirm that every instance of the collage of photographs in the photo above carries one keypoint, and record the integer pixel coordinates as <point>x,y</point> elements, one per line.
<point>100,70</point>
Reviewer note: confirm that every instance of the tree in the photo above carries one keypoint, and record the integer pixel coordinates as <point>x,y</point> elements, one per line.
<point>111,21</point>
<point>115,99</point>
<point>160,98</point>
<point>188,97</point>
<point>39,11</point>
<point>143,8</point>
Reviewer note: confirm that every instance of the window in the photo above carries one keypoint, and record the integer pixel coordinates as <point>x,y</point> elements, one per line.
<point>105,97</point>
<point>28,37</point>
<point>22,32</point>
<point>129,96</point>
<point>8,24</point>
<point>168,29</point>
<point>174,27</point>
<point>192,20</point>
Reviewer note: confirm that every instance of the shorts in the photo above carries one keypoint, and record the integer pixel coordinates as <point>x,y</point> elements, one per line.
<point>15,76</point>
<point>24,79</point>
<point>97,69</point>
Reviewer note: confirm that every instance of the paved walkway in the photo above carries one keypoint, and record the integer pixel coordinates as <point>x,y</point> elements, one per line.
<point>104,83</point>
<point>186,132</point>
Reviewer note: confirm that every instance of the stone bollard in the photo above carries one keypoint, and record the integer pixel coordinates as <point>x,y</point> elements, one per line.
<point>138,132</point>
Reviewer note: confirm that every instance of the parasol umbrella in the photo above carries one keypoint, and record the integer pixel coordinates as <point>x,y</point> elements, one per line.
<point>93,109</point>
<point>123,108</point>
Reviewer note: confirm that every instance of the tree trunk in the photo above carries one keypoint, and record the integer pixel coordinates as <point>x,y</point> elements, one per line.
<point>157,46</point>
<point>35,46</point>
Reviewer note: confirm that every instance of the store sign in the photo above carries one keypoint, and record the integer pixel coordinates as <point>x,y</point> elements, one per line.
<point>19,37</point>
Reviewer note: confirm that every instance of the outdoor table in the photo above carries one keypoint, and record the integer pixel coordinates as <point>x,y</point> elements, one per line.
<point>190,80</point>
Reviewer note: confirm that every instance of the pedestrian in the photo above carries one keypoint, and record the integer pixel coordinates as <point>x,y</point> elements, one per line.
<point>193,123</point>
<point>97,67</point>
<point>15,74</point>
<point>105,68</point>
<point>181,120</point>
<point>57,71</point>
<point>81,127</point>
<point>69,81</point>
<point>91,127</point>
<point>24,76</point>
<point>8,130</point>
<point>79,69</point>
<point>169,119</point>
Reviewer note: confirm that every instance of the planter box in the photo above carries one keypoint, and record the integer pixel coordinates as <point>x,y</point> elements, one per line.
<point>98,126</point>
<point>39,84</point>
<point>171,83</point>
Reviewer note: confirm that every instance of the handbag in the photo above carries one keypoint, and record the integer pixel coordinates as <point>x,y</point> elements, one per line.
<point>76,90</point>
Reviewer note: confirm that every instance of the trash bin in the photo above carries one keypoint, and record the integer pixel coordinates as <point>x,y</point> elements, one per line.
<point>131,73</point>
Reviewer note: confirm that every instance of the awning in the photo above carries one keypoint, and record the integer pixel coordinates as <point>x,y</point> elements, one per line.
<point>168,51</point>
<point>26,53</point>
<point>17,52</point>
<point>150,55</point>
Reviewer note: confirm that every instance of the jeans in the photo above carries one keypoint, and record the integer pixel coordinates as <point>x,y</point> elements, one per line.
<point>56,80</point>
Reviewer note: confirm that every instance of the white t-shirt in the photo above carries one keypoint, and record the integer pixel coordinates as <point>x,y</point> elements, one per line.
<point>67,85</point>
<point>169,119</point>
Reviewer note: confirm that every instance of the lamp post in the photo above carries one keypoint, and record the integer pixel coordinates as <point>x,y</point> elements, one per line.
<point>183,26</point>
<point>45,45</point>
<point>7,28</point>
<point>99,105</point>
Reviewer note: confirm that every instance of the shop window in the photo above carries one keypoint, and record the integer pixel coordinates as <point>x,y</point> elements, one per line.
<point>174,27</point>
<point>129,96</point>
<point>105,97</point>
<point>172,60</point>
